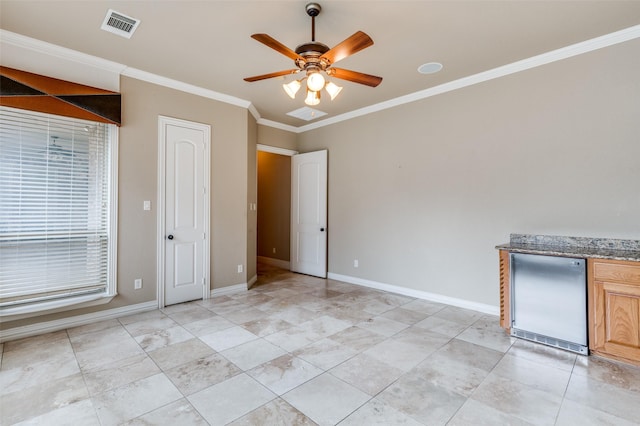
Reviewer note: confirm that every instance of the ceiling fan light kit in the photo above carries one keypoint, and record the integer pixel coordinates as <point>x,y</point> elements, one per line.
<point>315,58</point>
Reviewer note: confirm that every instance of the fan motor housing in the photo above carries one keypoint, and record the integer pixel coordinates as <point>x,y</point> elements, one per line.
<point>311,53</point>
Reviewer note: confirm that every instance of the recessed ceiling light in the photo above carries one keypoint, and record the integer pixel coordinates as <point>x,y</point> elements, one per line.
<point>430,68</point>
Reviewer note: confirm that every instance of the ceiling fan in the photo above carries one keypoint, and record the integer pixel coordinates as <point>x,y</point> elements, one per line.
<point>314,58</point>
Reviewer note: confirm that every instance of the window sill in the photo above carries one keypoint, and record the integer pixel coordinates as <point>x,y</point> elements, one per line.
<point>13,313</point>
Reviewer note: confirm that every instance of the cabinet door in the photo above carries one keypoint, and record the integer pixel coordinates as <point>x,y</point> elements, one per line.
<point>616,309</point>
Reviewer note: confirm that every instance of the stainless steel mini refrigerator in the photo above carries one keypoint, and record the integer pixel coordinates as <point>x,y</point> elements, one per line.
<point>549,300</point>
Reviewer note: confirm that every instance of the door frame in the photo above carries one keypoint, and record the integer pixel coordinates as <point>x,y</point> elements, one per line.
<point>163,121</point>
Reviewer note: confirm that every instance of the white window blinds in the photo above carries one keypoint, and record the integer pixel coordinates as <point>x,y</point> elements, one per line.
<point>54,207</point>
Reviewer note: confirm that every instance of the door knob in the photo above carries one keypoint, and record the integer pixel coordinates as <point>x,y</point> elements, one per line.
<point>170,237</point>
<point>321,229</point>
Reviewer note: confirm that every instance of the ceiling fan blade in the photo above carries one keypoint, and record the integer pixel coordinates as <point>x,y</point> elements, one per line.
<point>271,75</point>
<point>356,77</point>
<point>275,45</point>
<point>348,47</point>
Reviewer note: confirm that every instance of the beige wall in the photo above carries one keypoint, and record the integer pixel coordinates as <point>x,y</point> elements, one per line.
<point>274,205</point>
<point>277,137</point>
<point>142,103</point>
<point>420,194</point>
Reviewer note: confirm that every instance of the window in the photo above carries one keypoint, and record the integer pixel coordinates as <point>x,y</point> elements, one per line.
<point>57,199</point>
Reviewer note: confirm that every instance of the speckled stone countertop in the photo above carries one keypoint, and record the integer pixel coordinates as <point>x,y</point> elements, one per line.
<point>583,247</point>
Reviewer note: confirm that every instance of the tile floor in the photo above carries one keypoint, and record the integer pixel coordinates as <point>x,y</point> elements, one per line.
<point>298,350</point>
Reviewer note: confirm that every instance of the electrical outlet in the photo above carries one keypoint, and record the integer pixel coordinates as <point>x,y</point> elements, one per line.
<point>355,263</point>
<point>137,284</point>
<point>240,268</point>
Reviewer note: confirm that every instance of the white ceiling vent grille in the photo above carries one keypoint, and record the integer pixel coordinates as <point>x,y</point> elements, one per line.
<point>117,23</point>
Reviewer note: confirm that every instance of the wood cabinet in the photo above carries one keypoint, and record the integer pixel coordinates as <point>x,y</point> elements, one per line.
<point>505,291</point>
<point>614,309</point>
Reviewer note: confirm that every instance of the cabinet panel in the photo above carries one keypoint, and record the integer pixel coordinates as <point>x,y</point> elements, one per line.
<point>614,310</point>
<point>505,295</point>
<point>603,271</point>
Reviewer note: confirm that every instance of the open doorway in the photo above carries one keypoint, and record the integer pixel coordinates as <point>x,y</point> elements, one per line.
<point>274,206</point>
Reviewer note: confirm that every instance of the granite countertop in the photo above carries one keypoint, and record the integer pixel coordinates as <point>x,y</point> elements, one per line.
<point>583,247</point>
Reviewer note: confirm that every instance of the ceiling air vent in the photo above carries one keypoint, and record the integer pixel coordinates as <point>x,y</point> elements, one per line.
<point>117,23</point>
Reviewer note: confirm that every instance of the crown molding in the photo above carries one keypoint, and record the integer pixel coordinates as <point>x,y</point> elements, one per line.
<point>515,67</point>
<point>184,87</point>
<point>596,43</point>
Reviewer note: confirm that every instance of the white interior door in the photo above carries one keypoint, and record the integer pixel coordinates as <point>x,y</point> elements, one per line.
<point>185,210</point>
<point>309,213</point>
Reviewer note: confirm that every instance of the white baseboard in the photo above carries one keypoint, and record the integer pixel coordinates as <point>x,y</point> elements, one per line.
<point>75,321</point>
<point>229,289</point>
<point>418,294</point>
<point>284,264</point>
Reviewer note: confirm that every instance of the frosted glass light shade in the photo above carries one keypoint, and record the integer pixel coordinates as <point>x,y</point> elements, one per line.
<point>333,89</point>
<point>315,82</point>
<point>313,98</point>
<point>292,88</point>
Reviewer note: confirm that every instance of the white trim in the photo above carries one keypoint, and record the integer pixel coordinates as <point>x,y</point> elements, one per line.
<point>525,64</point>
<point>419,294</point>
<point>184,87</point>
<point>112,272</point>
<point>278,263</point>
<point>231,289</point>
<point>252,281</point>
<point>74,321</point>
<point>39,46</point>
<point>276,150</point>
<point>277,125</point>
<point>163,121</point>
<point>515,67</point>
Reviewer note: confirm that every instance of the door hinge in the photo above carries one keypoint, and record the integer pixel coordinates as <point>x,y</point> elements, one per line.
<point>204,236</point>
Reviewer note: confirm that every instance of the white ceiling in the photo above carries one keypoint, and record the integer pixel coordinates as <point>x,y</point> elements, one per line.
<point>207,43</point>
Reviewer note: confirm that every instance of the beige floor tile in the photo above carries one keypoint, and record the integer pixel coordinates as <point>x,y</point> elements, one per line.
<point>543,354</point>
<point>228,338</point>
<point>76,413</point>
<point>377,412</point>
<point>487,333</point>
<point>134,399</point>
<point>475,413</point>
<point>424,306</point>
<point>119,373</point>
<point>208,325</point>
<point>177,413</point>
<point>538,376</point>
<point>40,399</point>
<point>251,354</point>
<point>604,397</point>
<point>180,353</point>
<point>201,373</point>
<point>613,373</point>
<point>284,373</point>
<point>575,414</point>
<point>422,400</point>
<point>357,338</point>
<point>323,326</point>
<point>227,401</point>
<point>92,328</point>
<point>442,326</point>
<point>85,342</point>
<point>325,353</point>
<point>404,316</point>
<point>265,326</point>
<point>290,339</point>
<point>162,338</point>
<point>381,325</point>
<point>516,399</point>
<point>99,356</point>
<point>325,399</point>
<point>149,326</point>
<point>366,373</point>
<point>275,413</point>
<point>35,342</point>
<point>194,313</point>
